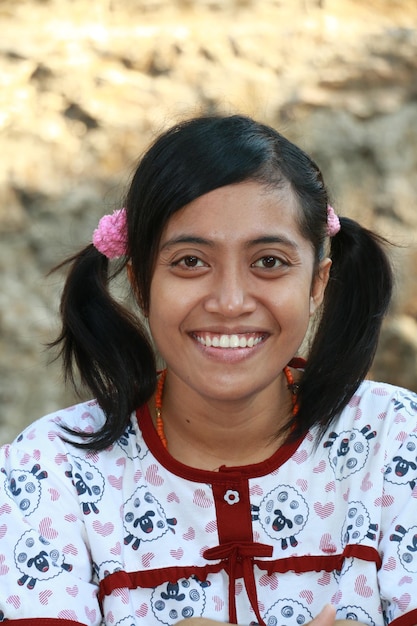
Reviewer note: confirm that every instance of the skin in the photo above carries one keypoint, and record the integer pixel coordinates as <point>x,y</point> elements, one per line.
<point>231,263</point>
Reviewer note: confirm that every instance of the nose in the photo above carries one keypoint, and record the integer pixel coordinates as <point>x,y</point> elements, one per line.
<point>231,294</point>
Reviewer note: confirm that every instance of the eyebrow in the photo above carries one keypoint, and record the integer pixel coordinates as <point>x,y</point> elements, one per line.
<point>263,240</point>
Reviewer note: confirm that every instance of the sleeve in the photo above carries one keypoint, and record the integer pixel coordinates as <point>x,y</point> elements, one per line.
<point>46,571</point>
<point>398,573</point>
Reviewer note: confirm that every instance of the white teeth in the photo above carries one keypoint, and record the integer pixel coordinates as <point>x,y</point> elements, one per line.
<point>228,341</point>
<point>224,341</point>
<point>234,341</point>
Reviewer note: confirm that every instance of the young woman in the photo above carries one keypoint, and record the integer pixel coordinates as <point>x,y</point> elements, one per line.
<point>241,483</point>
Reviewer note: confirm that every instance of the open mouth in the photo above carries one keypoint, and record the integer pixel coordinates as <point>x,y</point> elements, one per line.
<point>234,341</point>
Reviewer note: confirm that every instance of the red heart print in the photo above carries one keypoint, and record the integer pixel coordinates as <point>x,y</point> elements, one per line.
<point>117,549</point>
<point>337,597</point>
<point>384,500</point>
<point>72,591</point>
<point>68,614</point>
<point>302,483</point>
<point>70,549</point>
<point>354,401</point>
<point>4,569</point>
<point>60,458</point>
<point>324,579</point>
<point>142,611</point>
<point>103,529</point>
<point>172,497</point>
<point>147,558</point>
<point>153,477</point>
<point>200,499</point>
<point>177,554</point>
<point>324,511</point>
<point>90,614</point>
<point>307,594</point>
<point>404,601</point>
<point>366,483</point>
<point>362,588</point>
<point>189,535</point>
<point>115,482</point>
<point>123,594</point>
<point>211,526</point>
<point>54,493</point>
<point>327,545</point>
<point>320,467</point>
<point>218,603</point>
<point>268,581</point>
<point>44,596</point>
<point>14,600</point>
<point>46,530</point>
<point>390,565</point>
<point>300,456</point>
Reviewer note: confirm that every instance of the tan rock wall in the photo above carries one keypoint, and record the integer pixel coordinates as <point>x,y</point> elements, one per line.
<point>85,86</point>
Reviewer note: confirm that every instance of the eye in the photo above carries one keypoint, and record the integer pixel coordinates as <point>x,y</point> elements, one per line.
<point>268,262</point>
<point>189,261</point>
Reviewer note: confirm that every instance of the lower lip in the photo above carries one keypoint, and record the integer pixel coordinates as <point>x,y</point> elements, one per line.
<point>229,355</point>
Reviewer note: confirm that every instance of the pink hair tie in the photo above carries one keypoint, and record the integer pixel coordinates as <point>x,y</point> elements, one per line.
<point>110,236</point>
<point>333,222</point>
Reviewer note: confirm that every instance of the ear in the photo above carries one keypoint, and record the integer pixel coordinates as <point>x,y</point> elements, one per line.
<point>319,284</point>
<point>133,284</point>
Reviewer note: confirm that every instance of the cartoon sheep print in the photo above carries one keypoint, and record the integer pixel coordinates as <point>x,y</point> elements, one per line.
<point>173,601</point>
<point>283,513</point>
<point>89,483</point>
<point>144,519</point>
<point>349,450</point>
<point>25,487</point>
<point>37,560</point>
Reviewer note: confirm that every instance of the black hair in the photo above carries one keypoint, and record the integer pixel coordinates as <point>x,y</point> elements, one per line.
<point>110,345</point>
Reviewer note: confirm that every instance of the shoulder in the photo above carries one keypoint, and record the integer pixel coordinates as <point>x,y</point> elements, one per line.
<point>385,413</point>
<point>46,437</point>
<point>85,417</point>
<point>383,401</point>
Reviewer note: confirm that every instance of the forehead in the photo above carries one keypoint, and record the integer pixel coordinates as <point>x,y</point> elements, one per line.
<point>237,211</point>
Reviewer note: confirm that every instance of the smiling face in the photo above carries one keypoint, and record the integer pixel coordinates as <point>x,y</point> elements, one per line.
<point>233,288</point>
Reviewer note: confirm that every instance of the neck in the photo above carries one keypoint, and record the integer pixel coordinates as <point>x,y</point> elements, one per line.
<point>207,437</point>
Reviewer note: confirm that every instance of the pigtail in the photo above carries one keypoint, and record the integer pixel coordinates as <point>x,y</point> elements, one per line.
<point>356,300</point>
<point>106,344</point>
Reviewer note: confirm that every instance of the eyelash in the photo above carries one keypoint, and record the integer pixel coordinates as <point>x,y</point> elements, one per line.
<point>196,262</point>
<point>182,262</point>
<point>269,257</point>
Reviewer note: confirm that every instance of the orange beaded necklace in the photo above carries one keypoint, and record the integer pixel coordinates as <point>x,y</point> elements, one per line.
<point>292,386</point>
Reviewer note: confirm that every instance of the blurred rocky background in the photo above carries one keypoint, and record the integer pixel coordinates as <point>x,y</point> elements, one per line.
<point>86,84</point>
